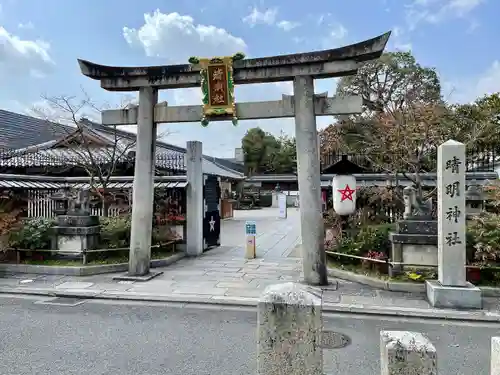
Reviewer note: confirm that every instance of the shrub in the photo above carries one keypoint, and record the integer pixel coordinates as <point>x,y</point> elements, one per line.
<point>115,232</point>
<point>369,239</point>
<point>483,238</point>
<point>33,234</point>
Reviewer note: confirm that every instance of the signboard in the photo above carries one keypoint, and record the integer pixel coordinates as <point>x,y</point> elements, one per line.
<point>217,86</point>
<point>250,228</point>
<point>282,206</point>
<point>250,246</point>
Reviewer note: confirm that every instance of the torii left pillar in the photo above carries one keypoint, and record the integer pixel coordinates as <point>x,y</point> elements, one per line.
<point>308,168</point>
<point>143,193</point>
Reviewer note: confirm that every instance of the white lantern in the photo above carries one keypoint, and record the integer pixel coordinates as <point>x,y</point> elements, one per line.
<point>344,194</point>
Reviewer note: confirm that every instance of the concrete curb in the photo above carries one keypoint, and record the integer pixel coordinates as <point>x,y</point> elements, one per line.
<point>395,286</point>
<point>83,270</point>
<point>235,302</point>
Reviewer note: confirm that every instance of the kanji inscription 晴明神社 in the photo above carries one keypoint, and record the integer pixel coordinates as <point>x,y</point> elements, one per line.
<point>451,213</point>
<point>453,191</point>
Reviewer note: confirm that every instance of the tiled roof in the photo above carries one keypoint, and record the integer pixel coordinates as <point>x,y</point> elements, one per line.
<point>20,131</point>
<point>47,133</point>
<point>211,165</point>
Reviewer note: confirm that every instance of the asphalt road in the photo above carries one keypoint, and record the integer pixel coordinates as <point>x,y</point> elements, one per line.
<point>133,339</point>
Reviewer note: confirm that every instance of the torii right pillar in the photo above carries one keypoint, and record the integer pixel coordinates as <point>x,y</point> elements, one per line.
<point>308,167</point>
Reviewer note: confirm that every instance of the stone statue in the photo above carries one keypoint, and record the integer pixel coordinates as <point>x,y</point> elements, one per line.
<point>415,206</point>
<point>79,203</point>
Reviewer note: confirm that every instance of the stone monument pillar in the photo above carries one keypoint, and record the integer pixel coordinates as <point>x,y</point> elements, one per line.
<point>143,193</point>
<point>194,198</point>
<point>289,331</point>
<point>405,352</point>
<point>452,289</point>
<point>495,356</point>
<point>311,215</point>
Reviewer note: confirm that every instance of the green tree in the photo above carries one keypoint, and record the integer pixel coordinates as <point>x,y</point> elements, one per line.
<point>283,159</point>
<point>257,146</point>
<point>391,82</point>
<point>483,114</point>
<point>265,153</point>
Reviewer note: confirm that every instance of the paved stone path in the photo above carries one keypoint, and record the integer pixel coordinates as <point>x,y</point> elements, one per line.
<point>276,238</point>
<point>222,275</point>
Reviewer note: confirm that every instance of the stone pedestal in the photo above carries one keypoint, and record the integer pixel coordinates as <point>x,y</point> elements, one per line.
<point>445,296</point>
<point>414,243</point>
<point>75,233</point>
<point>403,352</point>
<point>289,331</point>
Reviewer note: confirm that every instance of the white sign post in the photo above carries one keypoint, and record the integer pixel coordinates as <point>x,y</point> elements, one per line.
<point>250,234</point>
<point>452,290</point>
<point>282,206</point>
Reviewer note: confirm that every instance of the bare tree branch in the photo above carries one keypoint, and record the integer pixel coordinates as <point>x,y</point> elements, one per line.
<point>99,161</point>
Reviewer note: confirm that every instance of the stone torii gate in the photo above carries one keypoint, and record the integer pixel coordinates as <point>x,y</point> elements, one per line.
<point>304,105</point>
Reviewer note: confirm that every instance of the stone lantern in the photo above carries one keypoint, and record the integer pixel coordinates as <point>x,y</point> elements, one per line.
<point>61,200</point>
<point>474,200</point>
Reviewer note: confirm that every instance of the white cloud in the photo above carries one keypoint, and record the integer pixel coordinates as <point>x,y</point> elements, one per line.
<point>336,36</point>
<point>399,40</point>
<point>176,38</point>
<point>468,90</point>
<point>18,56</point>
<point>28,25</point>
<point>287,25</point>
<point>267,17</point>
<point>164,34</point>
<point>437,11</point>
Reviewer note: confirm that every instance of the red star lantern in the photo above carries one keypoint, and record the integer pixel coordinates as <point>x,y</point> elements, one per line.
<point>347,193</point>
<point>345,202</point>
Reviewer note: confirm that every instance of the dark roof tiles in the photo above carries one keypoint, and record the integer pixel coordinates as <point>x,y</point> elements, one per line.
<point>20,131</point>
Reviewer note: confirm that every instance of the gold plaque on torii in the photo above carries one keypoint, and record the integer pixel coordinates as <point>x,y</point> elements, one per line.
<point>217,86</point>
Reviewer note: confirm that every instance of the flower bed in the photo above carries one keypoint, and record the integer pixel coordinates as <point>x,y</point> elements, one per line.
<point>366,250</point>
<point>29,242</point>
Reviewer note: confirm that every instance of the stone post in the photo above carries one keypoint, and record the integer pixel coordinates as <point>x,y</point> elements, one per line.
<point>403,352</point>
<point>452,289</point>
<point>451,213</point>
<point>495,356</point>
<point>143,189</point>
<point>308,164</point>
<point>289,331</point>
<point>194,201</point>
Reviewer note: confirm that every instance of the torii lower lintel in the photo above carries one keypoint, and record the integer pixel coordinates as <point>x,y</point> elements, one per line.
<point>323,106</point>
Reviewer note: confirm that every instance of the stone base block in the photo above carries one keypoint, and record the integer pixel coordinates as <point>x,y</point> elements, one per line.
<point>127,277</point>
<point>453,297</point>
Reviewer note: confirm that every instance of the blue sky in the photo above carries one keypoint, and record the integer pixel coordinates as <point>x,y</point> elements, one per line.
<point>41,40</point>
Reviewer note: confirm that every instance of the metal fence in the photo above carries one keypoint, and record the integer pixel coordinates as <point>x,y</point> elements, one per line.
<point>478,160</point>
<point>32,194</point>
